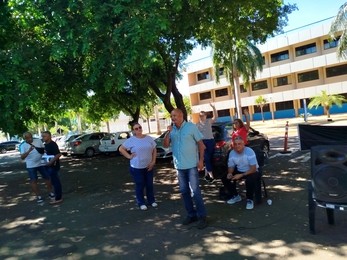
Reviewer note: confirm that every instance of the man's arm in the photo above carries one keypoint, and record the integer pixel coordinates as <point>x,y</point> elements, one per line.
<point>252,169</point>
<point>25,155</point>
<point>201,148</point>
<point>166,141</point>
<point>214,111</point>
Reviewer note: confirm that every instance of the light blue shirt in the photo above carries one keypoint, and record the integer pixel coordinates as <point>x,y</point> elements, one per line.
<point>184,145</point>
<point>243,160</point>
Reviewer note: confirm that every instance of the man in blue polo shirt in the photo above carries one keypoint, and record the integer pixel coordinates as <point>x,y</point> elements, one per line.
<point>188,156</point>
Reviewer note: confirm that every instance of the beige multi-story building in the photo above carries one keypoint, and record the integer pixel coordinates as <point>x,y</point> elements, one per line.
<point>298,65</point>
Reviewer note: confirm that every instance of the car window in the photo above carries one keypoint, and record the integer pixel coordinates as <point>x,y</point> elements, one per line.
<point>123,136</point>
<point>95,137</point>
<point>108,137</point>
<point>229,129</point>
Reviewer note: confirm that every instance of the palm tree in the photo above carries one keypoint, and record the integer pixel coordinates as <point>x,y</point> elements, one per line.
<point>237,57</point>
<point>325,100</point>
<point>339,25</point>
<point>261,102</point>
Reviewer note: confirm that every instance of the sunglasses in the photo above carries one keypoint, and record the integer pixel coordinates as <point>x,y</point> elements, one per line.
<point>137,128</point>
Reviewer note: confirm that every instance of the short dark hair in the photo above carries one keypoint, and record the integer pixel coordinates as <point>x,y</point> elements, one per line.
<point>47,132</point>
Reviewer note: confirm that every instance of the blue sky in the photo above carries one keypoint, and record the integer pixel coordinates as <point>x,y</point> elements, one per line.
<point>309,11</point>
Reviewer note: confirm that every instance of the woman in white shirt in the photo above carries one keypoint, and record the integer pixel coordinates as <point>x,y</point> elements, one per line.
<point>142,158</point>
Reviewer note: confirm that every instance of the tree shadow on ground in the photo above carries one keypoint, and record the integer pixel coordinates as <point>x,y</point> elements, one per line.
<point>99,217</point>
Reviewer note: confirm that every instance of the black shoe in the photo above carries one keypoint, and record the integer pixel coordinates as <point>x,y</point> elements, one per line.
<point>202,223</point>
<point>189,220</point>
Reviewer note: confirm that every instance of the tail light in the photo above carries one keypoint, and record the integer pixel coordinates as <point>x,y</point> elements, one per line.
<point>113,142</point>
<point>220,144</point>
<point>76,143</point>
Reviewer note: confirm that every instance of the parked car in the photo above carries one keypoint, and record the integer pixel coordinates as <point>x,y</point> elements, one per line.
<point>63,141</point>
<point>8,146</point>
<point>162,152</point>
<point>222,134</point>
<point>87,144</point>
<point>110,143</point>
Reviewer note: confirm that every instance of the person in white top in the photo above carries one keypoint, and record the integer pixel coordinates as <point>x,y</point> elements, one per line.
<point>142,156</point>
<point>31,151</point>
<point>205,127</point>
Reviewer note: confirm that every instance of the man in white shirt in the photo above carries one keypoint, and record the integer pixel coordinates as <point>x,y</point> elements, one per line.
<point>31,151</point>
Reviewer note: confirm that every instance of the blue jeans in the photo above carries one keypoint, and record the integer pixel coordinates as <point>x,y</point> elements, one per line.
<point>143,180</point>
<point>190,189</point>
<point>208,154</point>
<point>55,180</point>
<point>33,173</point>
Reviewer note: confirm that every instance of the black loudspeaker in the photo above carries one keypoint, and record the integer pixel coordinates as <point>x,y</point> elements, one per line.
<point>329,173</point>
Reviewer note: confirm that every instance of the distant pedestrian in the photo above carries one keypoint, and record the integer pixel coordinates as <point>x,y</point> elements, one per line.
<point>142,156</point>
<point>188,157</point>
<point>53,165</point>
<point>31,151</point>
<point>205,127</point>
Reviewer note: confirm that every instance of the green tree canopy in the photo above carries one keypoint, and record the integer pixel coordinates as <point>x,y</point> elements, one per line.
<point>57,53</point>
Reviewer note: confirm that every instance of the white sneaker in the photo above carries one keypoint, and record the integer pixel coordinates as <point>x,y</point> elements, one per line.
<point>234,199</point>
<point>143,207</point>
<point>154,205</point>
<point>250,204</point>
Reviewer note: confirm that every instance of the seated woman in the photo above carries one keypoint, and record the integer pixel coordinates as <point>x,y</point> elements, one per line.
<point>241,129</point>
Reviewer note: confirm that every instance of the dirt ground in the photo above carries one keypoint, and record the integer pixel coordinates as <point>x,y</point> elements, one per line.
<point>99,218</point>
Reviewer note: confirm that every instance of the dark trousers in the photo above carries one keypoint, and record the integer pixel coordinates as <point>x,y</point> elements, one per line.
<point>251,184</point>
<point>55,180</point>
<point>208,153</point>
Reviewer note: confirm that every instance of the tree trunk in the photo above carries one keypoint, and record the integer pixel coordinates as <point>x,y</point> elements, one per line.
<point>262,113</point>
<point>156,112</point>
<point>108,126</point>
<point>237,96</point>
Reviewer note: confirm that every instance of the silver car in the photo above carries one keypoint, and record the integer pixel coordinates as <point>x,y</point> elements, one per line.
<point>162,152</point>
<point>63,142</point>
<point>87,144</point>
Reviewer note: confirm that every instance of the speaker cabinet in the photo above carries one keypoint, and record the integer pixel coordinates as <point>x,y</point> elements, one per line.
<point>329,173</point>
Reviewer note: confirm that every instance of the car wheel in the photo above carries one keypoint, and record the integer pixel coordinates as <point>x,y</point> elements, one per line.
<point>90,152</point>
<point>3,150</point>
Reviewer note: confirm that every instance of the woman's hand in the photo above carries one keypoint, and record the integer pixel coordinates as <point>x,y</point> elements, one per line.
<point>150,166</point>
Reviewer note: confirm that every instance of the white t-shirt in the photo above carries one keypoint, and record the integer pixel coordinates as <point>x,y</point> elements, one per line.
<point>243,160</point>
<point>143,148</point>
<point>34,157</point>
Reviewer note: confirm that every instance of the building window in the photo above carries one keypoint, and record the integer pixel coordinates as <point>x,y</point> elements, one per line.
<point>336,71</point>
<point>223,112</point>
<point>306,49</point>
<point>328,44</point>
<point>281,81</point>
<point>221,71</point>
<point>307,76</point>
<point>259,85</point>
<point>284,55</point>
<point>221,92</point>
<point>243,89</point>
<point>205,95</point>
<point>203,75</point>
<point>284,105</point>
<point>263,60</point>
